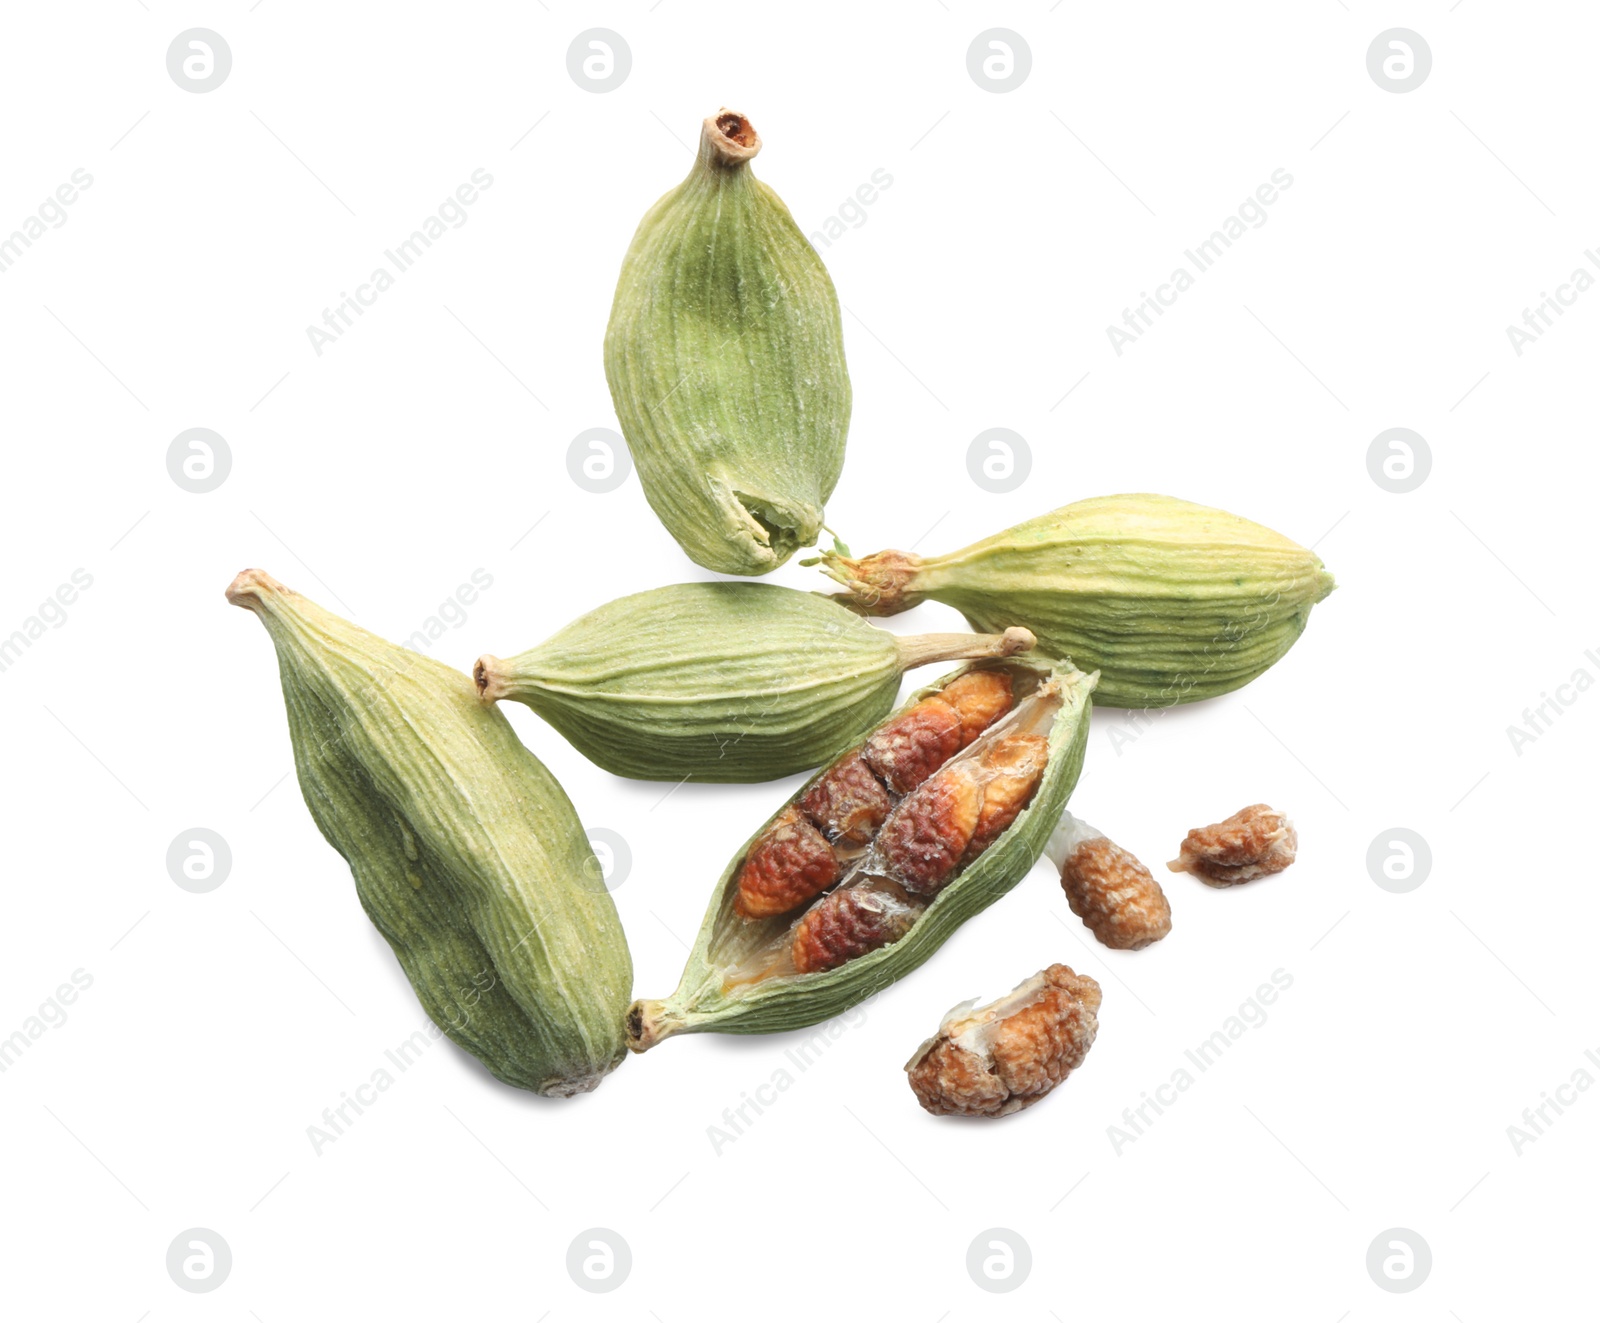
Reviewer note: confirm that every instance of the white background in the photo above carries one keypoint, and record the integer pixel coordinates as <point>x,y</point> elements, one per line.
<point>426,442</point>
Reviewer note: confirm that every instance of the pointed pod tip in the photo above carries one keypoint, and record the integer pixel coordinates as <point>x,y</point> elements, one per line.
<point>249,586</point>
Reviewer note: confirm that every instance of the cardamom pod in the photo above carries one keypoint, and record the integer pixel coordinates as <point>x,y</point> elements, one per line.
<point>466,852</point>
<point>772,954</point>
<point>720,681</point>
<point>725,358</point>
<point>1171,602</point>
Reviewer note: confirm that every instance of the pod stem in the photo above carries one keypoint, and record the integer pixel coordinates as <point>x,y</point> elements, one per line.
<point>489,674</point>
<point>728,140</point>
<point>648,1023</point>
<point>250,587</point>
<point>921,649</point>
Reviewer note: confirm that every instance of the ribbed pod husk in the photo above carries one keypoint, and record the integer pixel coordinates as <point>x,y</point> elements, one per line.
<point>715,681</point>
<point>1170,601</point>
<point>705,1002</point>
<point>467,854</point>
<point>725,358</point>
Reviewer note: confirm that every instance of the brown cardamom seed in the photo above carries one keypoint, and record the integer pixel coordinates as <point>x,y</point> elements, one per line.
<point>1005,1056</point>
<point>1255,842</point>
<point>1110,890</point>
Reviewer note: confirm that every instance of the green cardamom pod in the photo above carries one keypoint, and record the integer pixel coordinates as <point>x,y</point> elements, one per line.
<point>466,852</point>
<point>720,681</point>
<point>864,873</point>
<point>1171,602</point>
<point>725,357</point>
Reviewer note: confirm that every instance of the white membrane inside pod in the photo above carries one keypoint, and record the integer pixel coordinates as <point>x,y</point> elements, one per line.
<point>1069,834</point>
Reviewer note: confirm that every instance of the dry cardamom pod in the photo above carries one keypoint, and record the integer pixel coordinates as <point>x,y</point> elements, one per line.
<point>725,358</point>
<point>774,954</point>
<point>466,852</point>
<point>722,681</point>
<point>1171,602</point>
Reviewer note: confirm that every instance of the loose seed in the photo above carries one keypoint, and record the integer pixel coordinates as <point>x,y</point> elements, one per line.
<point>1110,890</point>
<point>1255,842</point>
<point>1007,1055</point>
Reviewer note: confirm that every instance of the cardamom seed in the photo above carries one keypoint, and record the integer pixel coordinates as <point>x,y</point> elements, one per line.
<point>720,681</point>
<point>1257,841</point>
<point>1171,602</point>
<point>1107,887</point>
<point>997,1059</point>
<point>894,890</point>
<point>725,358</point>
<point>466,852</point>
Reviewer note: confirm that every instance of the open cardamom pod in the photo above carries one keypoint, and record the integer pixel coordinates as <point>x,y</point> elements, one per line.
<point>466,852</point>
<point>720,681</point>
<point>1171,602</point>
<point>853,883</point>
<point>725,357</point>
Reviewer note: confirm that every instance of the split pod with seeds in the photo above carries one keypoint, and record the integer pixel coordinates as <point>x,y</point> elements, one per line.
<point>467,854</point>
<point>720,681</point>
<point>1170,601</point>
<point>868,870</point>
